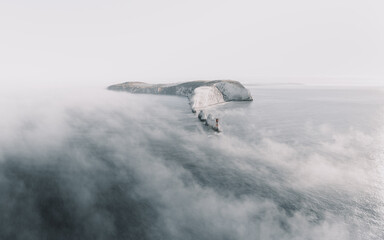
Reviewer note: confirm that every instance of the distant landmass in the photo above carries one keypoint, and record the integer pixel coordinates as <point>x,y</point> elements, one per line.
<point>201,94</point>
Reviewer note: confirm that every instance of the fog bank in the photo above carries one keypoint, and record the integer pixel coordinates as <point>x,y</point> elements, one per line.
<point>96,164</point>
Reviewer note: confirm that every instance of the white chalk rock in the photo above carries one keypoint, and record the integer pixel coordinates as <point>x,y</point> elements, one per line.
<point>233,91</point>
<point>202,116</point>
<point>205,96</point>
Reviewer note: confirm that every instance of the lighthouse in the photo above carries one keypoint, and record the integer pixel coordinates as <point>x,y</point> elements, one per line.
<point>216,126</point>
<point>213,123</point>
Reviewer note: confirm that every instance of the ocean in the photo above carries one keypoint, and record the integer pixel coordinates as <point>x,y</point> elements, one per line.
<point>299,162</point>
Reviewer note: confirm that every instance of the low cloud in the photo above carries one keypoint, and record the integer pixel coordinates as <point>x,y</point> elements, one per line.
<point>95,164</point>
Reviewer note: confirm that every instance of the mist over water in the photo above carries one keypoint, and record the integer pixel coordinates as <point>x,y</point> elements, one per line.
<point>297,163</point>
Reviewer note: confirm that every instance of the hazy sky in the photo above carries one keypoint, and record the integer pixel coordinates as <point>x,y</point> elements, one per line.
<point>172,40</point>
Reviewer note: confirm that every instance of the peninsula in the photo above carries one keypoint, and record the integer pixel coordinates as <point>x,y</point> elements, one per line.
<point>201,94</point>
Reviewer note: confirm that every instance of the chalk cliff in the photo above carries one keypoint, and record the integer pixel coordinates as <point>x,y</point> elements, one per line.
<point>201,94</point>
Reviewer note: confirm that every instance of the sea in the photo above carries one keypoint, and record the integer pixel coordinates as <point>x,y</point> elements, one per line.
<point>298,162</point>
